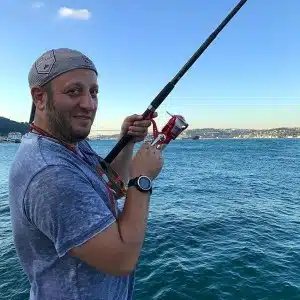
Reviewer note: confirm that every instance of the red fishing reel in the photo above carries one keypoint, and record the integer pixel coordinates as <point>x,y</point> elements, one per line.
<point>175,126</point>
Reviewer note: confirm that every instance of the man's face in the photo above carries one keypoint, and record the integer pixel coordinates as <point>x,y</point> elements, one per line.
<point>72,104</point>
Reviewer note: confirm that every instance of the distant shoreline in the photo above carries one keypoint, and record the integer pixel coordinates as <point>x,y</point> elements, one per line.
<point>190,140</point>
<point>254,138</point>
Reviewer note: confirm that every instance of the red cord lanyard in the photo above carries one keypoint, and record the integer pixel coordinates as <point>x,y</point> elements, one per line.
<point>98,169</point>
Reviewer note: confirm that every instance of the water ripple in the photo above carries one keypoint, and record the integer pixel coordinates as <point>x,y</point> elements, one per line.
<point>224,224</point>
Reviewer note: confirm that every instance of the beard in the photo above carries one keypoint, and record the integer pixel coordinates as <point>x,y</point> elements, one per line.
<point>60,126</point>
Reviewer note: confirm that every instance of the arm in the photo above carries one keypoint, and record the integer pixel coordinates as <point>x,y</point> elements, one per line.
<point>78,222</point>
<point>117,249</point>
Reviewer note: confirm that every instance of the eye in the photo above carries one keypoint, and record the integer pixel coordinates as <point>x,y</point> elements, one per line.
<point>94,93</point>
<point>73,92</point>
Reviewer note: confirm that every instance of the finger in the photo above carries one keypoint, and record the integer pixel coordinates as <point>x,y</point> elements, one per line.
<point>155,150</point>
<point>133,118</point>
<point>138,130</point>
<point>154,115</point>
<point>144,123</point>
<point>138,118</point>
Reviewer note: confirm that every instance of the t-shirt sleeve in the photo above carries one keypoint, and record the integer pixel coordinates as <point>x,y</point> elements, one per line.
<point>62,203</point>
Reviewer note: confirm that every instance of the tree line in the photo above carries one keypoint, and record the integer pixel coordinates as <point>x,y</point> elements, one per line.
<point>7,126</point>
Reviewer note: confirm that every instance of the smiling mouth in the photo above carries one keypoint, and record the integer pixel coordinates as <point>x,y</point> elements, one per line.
<point>83,117</point>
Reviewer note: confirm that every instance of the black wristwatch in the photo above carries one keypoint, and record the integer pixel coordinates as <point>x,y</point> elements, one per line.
<point>142,183</point>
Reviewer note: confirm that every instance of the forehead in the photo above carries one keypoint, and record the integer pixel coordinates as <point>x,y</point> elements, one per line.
<point>83,76</point>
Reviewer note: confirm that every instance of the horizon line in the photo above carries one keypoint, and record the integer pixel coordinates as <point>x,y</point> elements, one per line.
<point>222,128</point>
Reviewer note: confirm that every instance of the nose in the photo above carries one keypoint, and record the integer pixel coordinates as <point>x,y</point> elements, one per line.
<point>87,102</point>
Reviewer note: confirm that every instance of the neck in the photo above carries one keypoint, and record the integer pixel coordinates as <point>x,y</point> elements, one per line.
<point>43,130</point>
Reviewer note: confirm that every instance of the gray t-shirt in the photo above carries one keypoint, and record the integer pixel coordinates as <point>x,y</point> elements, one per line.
<point>58,201</point>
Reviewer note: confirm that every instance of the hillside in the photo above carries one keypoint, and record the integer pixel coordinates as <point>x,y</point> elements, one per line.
<point>7,125</point>
<point>281,132</point>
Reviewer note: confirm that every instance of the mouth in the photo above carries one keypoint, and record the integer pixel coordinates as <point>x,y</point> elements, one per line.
<point>83,117</point>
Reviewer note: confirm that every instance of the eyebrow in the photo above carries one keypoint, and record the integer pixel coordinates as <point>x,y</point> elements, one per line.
<point>78,83</point>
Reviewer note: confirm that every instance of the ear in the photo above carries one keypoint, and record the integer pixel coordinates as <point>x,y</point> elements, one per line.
<point>39,97</point>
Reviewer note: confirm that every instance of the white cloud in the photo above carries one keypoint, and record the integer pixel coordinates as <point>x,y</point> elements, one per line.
<point>37,4</point>
<point>71,13</point>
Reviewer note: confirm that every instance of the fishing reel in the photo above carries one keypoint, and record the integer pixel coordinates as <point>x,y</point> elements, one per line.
<point>175,126</point>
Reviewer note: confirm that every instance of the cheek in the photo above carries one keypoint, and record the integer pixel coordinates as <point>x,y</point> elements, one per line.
<point>64,106</point>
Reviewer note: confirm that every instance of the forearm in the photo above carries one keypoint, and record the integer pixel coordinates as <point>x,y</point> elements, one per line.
<point>121,163</point>
<point>132,224</point>
<point>116,250</point>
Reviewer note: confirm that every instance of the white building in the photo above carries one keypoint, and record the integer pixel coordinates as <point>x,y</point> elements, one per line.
<point>14,136</point>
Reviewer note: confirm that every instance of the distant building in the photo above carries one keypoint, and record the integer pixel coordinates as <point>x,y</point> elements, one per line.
<point>14,136</point>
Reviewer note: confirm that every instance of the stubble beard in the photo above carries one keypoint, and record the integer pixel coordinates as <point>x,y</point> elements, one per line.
<point>60,126</point>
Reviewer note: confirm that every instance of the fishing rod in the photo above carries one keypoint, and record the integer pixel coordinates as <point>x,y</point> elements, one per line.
<point>170,85</point>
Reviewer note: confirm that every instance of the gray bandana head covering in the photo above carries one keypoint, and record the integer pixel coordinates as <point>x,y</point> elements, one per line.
<point>54,63</point>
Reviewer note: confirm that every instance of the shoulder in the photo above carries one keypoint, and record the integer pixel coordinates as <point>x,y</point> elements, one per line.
<point>38,156</point>
<point>55,185</point>
<point>53,181</point>
<point>42,151</point>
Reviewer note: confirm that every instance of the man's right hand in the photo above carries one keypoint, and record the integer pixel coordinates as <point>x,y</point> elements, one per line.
<point>147,161</point>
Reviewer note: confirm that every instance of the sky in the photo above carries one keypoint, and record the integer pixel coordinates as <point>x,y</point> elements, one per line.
<point>247,78</point>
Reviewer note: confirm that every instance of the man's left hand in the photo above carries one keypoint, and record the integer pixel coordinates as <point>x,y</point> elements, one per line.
<point>135,126</point>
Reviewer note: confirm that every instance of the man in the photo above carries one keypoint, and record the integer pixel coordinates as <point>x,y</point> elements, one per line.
<point>72,239</point>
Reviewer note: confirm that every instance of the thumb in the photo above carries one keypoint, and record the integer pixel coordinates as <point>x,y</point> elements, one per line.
<point>155,114</point>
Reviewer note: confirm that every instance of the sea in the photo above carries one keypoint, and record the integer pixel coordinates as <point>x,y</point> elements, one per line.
<point>224,223</point>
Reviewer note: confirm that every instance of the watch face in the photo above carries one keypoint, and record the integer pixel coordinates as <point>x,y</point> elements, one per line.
<point>144,183</point>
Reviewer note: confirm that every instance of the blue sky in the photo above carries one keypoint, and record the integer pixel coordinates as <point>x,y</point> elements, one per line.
<point>247,78</point>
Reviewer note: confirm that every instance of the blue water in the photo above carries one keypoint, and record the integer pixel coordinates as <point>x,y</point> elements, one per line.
<point>224,223</point>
